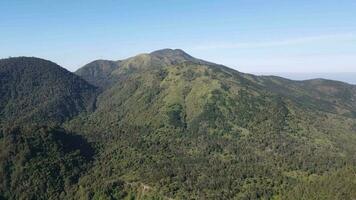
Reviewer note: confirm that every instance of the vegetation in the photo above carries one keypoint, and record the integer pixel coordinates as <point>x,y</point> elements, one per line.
<point>168,126</point>
<point>36,90</point>
<point>41,162</point>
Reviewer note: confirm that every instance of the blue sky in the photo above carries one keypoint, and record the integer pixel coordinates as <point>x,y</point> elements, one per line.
<point>257,36</point>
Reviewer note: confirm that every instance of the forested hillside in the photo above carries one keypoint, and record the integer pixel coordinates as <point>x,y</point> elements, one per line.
<point>166,125</point>
<point>37,90</point>
<point>41,162</point>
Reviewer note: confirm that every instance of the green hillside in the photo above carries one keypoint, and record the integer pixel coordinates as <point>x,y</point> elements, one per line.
<point>37,90</point>
<point>166,125</point>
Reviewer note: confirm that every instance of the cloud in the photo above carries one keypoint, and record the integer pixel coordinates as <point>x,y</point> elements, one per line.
<point>277,43</point>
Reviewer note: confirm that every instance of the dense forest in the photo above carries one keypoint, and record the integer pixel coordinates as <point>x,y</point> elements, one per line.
<point>166,125</point>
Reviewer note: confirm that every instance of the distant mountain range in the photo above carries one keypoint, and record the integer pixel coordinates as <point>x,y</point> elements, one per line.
<point>349,77</point>
<point>166,125</point>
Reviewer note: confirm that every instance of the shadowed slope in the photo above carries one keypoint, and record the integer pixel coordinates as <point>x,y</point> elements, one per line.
<point>36,90</point>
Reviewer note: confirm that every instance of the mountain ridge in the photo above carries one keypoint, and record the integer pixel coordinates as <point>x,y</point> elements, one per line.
<point>168,51</point>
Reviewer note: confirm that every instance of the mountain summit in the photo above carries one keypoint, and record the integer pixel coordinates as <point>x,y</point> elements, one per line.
<point>173,55</point>
<point>102,72</point>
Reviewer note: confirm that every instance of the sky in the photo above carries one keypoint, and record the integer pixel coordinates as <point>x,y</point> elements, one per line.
<point>254,36</point>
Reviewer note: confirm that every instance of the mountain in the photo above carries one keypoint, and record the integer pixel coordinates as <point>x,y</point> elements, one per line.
<point>197,130</point>
<point>37,90</point>
<point>166,125</point>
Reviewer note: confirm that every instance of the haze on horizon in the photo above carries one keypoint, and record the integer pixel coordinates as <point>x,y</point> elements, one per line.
<point>306,38</point>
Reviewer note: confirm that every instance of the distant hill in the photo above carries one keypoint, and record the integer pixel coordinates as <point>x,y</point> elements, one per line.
<point>98,72</point>
<point>348,77</point>
<point>166,125</point>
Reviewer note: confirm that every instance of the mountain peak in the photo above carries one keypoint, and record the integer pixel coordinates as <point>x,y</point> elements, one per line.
<point>172,54</point>
<point>169,51</point>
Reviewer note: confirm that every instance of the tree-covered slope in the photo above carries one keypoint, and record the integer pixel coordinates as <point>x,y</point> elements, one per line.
<point>36,90</point>
<point>191,129</point>
<point>41,162</point>
<point>98,72</point>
